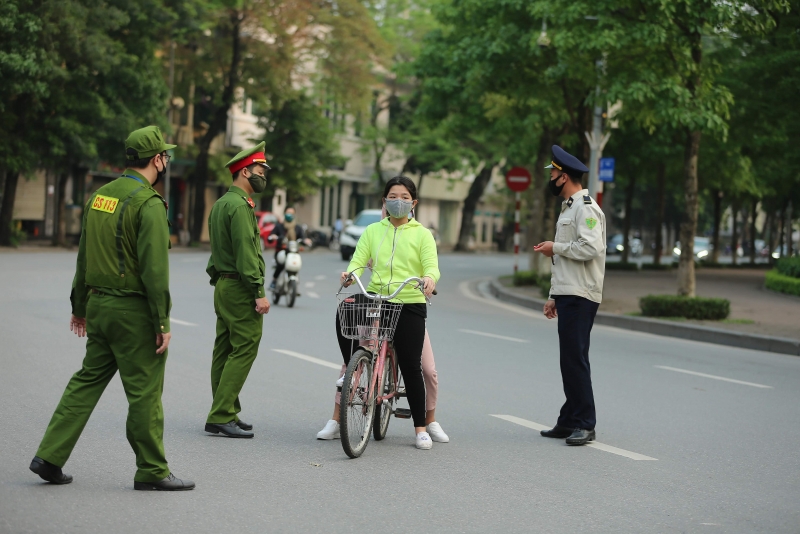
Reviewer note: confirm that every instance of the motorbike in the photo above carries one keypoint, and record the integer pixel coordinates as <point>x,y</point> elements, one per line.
<point>286,285</point>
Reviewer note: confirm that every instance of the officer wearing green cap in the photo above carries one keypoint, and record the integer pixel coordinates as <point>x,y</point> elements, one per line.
<point>120,298</point>
<point>236,268</point>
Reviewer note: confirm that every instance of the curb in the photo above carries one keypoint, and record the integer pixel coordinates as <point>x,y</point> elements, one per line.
<point>780,345</point>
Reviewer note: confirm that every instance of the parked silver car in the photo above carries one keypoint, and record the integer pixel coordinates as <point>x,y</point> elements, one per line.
<point>702,249</point>
<point>351,234</point>
<point>615,245</point>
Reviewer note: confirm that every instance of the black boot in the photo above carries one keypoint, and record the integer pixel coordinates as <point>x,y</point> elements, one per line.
<point>230,430</point>
<point>559,432</point>
<point>244,426</point>
<point>49,472</point>
<point>171,483</point>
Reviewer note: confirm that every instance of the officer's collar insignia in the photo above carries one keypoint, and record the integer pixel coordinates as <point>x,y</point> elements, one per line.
<point>591,222</point>
<point>570,201</point>
<point>587,199</point>
<point>250,202</point>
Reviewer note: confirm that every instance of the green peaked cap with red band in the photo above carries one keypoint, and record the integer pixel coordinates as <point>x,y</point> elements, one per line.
<point>248,157</point>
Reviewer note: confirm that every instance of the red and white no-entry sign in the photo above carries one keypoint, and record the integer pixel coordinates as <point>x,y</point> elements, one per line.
<point>518,179</point>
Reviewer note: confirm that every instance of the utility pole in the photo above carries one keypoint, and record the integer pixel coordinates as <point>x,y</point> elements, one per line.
<point>169,115</point>
<point>597,142</point>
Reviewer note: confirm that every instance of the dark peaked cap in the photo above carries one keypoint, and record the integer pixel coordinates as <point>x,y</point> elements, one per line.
<point>566,162</point>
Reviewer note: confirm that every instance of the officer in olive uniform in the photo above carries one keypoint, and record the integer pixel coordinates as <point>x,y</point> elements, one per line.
<point>236,269</point>
<point>120,298</point>
<point>579,259</point>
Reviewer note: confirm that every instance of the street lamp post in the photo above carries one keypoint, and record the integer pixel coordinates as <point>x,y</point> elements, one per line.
<point>597,142</point>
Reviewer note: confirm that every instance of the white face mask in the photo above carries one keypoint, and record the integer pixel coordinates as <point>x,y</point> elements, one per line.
<point>399,208</point>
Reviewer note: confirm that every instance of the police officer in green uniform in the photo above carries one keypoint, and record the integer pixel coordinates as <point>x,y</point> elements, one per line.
<point>578,254</point>
<point>120,299</point>
<point>236,269</point>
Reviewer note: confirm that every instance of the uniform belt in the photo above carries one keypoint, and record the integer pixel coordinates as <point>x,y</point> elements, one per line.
<point>94,291</point>
<point>232,276</point>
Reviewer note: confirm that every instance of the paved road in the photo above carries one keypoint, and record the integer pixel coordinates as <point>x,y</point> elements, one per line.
<point>682,452</point>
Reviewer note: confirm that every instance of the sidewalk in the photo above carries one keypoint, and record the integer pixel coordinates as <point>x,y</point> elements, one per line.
<point>754,310</point>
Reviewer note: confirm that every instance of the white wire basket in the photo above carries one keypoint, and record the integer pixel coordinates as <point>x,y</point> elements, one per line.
<point>366,319</point>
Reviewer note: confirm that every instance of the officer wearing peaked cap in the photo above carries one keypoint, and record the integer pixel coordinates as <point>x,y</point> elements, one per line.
<point>120,298</point>
<point>236,268</point>
<point>578,254</point>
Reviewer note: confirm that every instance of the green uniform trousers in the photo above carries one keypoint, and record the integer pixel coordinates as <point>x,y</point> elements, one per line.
<point>239,329</point>
<point>120,336</point>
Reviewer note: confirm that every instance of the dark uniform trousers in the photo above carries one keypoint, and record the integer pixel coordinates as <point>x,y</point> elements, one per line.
<point>239,329</point>
<point>120,336</point>
<point>575,319</point>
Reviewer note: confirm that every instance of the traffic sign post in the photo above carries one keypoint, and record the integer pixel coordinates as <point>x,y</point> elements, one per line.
<point>518,180</point>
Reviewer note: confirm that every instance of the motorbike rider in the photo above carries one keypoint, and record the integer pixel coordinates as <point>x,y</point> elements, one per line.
<point>283,232</point>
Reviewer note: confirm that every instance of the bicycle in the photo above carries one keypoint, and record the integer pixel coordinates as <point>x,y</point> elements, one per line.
<point>366,404</point>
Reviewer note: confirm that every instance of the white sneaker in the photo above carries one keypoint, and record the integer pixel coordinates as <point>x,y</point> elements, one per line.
<point>437,434</point>
<point>331,430</point>
<point>340,382</point>
<point>424,441</point>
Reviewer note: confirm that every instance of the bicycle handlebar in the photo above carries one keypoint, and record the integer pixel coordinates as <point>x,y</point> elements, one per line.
<point>354,276</point>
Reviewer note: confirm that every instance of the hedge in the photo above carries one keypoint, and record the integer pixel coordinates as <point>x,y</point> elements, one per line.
<point>530,278</point>
<point>656,266</point>
<point>688,307</point>
<point>789,266</point>
<point>619,266</point>
<point>777,281</point>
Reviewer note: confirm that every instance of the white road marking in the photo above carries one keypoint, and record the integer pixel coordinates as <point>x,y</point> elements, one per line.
<point>309,359</point>
<point>320,277</point>
<point>486,334</point>
<point>312,295</point>
<point>178,321</point>
<point>463,287</point>
<point>592,444</point>
<point>310,284</point>
<point>714,377</point>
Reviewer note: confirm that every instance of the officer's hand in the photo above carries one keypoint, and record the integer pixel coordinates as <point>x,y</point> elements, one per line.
<point>162,342</point>
<point>545,248</point>
<point>78,325</point>
<point>343,279</point>
<point>428,286</point>
<point>262,305</point>
<point>550,309</point>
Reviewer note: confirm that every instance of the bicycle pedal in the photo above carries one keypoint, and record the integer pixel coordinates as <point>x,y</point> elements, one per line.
<point>402,413</point>
<point>401,392</point>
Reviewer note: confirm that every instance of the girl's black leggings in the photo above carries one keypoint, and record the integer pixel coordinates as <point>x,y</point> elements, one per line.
<point>408,340</point>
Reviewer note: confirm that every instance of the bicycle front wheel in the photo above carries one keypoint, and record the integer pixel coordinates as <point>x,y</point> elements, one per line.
<point>384,410</point>
<point>357,407</point>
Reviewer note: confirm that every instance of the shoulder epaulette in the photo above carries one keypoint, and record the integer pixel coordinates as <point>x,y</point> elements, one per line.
<point>569,202</point>
<point>587,199</point>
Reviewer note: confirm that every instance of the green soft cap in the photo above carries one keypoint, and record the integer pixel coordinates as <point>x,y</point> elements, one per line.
<point>145,143</point>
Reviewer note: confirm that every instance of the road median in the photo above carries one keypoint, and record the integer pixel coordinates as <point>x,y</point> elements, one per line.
<point>664,328</point>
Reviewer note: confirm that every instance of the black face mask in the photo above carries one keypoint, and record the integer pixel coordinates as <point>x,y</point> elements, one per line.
<point>257,182</point>
<point>160,174</point>
<point>555,189</point>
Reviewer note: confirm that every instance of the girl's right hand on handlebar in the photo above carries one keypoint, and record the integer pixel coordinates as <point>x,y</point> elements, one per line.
<point>345,279</point>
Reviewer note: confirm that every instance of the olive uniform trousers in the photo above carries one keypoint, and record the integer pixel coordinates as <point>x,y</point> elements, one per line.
<point>120,336</point>
<point>239,329</point>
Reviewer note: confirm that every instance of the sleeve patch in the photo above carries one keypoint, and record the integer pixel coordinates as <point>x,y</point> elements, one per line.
<point>591,222</point>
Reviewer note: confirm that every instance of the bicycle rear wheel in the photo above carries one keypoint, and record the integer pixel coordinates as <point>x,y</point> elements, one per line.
<point>357,407</point>
<point>384,410</point>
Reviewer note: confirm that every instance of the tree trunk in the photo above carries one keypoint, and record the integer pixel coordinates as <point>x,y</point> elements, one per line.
<point>717,221</point>
<point>753,215</point>
<point>686,275</point>
<point>470,203</point>
<point>60,237</point>
<point>7,212</point>
<point>217,126</point>
<point>788,226</point>
<point>735,233</point>
<point>537,231</point>
<point>661,178</point>
<point>626,224</point>
<point>782,224</point>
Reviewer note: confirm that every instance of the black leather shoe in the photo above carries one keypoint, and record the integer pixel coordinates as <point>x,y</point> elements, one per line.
<point>559,432</point>
<point>230,430</point>
<point>244,426</point>
<point>171,483</point>
<point>49,472</point>
<point>580,437</point>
